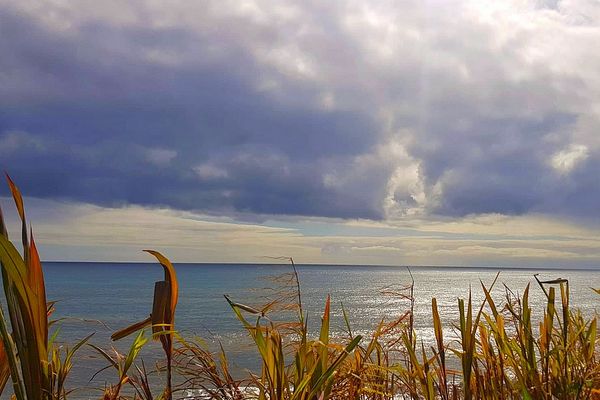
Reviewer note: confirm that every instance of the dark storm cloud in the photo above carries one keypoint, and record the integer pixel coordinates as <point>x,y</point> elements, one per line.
<point>493,165</point>
<point>338,109</point>
<point>92,122</point>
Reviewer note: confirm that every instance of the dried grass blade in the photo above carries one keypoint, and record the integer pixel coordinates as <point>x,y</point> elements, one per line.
<point>36,282</point>
<point>160,309</point>
<point>3,230</point>
<point>16,193</point>
<point>170,276</point>
<point>120,334</point>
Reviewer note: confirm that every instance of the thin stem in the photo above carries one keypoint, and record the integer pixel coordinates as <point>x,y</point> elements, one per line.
<point>9,347</point>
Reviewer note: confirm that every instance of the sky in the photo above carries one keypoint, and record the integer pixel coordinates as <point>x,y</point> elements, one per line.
<point>346,132</point>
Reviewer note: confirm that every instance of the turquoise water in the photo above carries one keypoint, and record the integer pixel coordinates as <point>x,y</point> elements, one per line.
<point>102,297</point>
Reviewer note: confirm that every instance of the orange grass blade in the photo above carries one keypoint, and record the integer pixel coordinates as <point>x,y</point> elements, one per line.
<point>120,334</point>
<point>36,283</point>
<point>17,197</point>
<point>21,209</point>
<point>170,277</point>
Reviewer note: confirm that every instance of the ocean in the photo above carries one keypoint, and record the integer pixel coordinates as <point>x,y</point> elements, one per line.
<point>102,297</point>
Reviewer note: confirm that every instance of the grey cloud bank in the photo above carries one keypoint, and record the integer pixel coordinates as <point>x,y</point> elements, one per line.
<point>345,109</point>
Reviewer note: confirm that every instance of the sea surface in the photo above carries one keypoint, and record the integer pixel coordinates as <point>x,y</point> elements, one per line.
<point>102,297</point>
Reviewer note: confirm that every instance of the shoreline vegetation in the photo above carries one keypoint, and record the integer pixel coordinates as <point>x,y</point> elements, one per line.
<point>501,351</point>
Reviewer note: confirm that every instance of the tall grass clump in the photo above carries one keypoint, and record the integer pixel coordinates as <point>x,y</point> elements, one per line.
<point>123,364</point>
<point>37,368</point>
<point>314,364</point>
<point>503,354</point>
<point>162,321</point>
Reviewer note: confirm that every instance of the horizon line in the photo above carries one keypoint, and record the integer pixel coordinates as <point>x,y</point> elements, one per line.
<point>589,268</point>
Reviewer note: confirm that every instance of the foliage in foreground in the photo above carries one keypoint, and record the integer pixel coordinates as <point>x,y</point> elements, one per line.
<point>502,352</point>
<point>37,368</point>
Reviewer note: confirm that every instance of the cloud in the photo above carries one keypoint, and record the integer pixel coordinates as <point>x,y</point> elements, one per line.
<point>17,141</point>
<point>565,160</point>
<point>77,231</point>
<point>346,110</point>
<point>160,157</point>
<point>207,171</point>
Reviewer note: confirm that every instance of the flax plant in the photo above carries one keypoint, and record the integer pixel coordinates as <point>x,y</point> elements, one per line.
<point>162,317</point>
<point>34,364</point>
<point>26,301</point>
